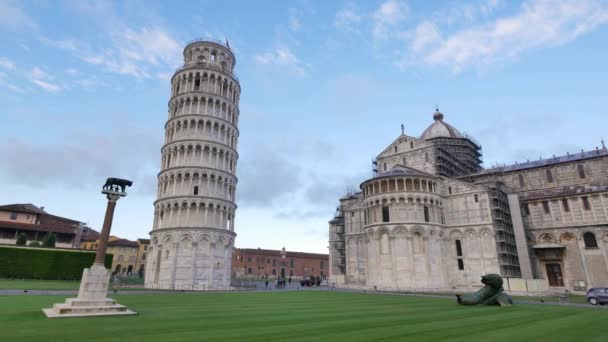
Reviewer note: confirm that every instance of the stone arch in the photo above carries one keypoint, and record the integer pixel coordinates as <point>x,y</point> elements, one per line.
<point>546,237</point>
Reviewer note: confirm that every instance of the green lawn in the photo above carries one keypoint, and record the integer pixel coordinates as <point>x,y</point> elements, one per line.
<point>301,316</point>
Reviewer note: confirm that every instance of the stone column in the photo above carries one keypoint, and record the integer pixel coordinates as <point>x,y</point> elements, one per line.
<point>105,231</point>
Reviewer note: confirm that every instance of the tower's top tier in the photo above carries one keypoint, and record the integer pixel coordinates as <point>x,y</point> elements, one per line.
<point>204,51</point>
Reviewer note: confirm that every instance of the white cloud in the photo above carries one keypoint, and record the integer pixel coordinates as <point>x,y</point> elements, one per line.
<point>539,23</point>
<point>43,80</point>
<point>425,34</point>
<point>389,15</point>
<point>13,17</point>
<point>348,18</point>
<point>295,23</point>
<point>459,12</point>
<point>37,73</point>
<point>130,52</point>
<point>282,56</point>
<point>7,63</point>
<point>51,88</point>
<point>5,84</point>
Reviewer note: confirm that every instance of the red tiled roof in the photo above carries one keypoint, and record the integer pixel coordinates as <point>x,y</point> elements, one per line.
<point>62,229</point>
<point>123,243</point>
<point>89,234</point>
<point>144,241</point>
<point>23,208</point>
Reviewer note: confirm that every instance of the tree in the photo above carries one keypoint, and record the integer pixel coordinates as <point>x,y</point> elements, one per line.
<point>21,239</point>
<point>49,240</point>
<point>35,244</point>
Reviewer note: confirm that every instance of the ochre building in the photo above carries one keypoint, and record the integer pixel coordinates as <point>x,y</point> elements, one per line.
<point>433,219</point>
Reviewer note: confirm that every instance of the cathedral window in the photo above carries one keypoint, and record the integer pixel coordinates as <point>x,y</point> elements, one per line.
<point>395,148</point>
<point>385,214</point>
<point>521,180</point>
<point>411,144</point>
<point>549,176</point>
<point>590,241</point>
<point>450,190</point>
<point>426,214</point>
<point>476,198</point>
<point>566,205</point>
<point>384,166</point>
<point>586,204</point>
<point>546,207</point>
<point>460,264</point>
<point>365,216</point>
<point>581,171</point>
<point>195,190</point>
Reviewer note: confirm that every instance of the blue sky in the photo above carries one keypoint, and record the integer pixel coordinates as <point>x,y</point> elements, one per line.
<point>325,86</point>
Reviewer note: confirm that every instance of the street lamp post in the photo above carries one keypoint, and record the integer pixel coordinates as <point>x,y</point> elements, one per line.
<point>92,295</point>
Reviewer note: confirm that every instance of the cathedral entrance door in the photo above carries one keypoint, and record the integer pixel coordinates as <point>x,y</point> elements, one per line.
<point>554,274</point>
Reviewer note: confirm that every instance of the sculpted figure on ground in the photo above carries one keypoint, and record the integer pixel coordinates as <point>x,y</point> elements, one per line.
<point>491,294</point>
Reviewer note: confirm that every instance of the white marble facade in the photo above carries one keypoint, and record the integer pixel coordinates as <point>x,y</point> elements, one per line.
<point>193,234</point>
<point>398,234</point>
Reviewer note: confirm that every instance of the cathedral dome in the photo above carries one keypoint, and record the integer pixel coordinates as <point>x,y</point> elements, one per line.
<point>439,128</point>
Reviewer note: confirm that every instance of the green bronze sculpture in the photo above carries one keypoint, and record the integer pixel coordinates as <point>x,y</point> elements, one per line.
<point>491,294</point>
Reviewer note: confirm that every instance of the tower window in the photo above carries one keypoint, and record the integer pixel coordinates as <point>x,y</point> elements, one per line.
<point>586,204</point>
<point>411,144</point>
<point>590,241</point>
<point>385,214</point>
<point>549,176</point>
<point>450,190</point>
<point>476,198</point>
<point>460,264</point>
<point>581,171</point>
<point>426,214</point>
<point>196,189</point>
<point>566,205</point>
<point>546,207</point>
<point>458,248</point>
<point>384,166</point>
<point>395,148</point>
<point>521,181</point>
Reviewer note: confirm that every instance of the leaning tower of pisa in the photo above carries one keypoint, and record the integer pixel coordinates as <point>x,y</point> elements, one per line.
<point>193,232</point>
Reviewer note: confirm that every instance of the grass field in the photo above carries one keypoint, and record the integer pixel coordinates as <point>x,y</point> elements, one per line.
<point>301,316</point>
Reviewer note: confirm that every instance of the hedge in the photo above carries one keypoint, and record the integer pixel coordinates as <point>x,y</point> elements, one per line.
<point>48,264</point>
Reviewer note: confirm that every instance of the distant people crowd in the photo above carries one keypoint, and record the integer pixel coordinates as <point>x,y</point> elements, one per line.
<point>280,282</point>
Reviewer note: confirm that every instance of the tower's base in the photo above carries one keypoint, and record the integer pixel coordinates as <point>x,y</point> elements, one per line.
<point>91,300</point>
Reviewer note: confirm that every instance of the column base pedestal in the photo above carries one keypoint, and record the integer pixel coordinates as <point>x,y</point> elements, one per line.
<point>91,300</point>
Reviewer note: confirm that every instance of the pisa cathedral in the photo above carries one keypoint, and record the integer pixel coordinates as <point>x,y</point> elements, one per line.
<point>193,231</point>
<point>432,218</point>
